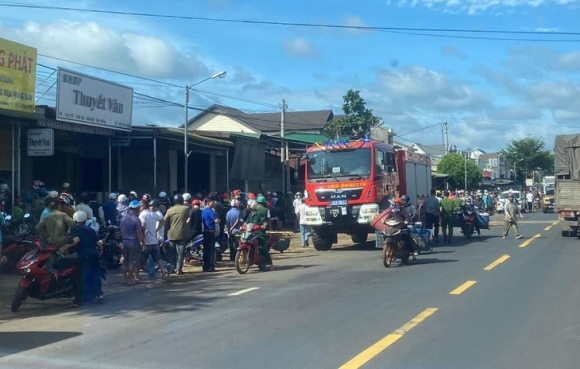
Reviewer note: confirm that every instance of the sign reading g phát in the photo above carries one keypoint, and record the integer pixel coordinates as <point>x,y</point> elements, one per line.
<point>17,76</point>
<point>91,101</point>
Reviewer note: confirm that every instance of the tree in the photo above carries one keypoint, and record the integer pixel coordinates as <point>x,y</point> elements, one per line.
<point>529,153</point>
<point>454,165</point>
<point>357,121</point>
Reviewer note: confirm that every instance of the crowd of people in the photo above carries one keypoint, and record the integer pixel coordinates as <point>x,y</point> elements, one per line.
<point>155,229</point>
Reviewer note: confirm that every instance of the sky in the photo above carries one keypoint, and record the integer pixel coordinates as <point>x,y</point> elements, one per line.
<point>490,91</point>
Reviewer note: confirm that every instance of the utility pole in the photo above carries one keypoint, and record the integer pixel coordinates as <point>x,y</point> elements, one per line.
<point>185,148</point>
<point>446,141</point>
<point>283,146</point>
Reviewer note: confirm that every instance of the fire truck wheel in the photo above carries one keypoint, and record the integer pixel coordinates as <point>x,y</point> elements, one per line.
<point>321,240</point>
<point>359,237</point>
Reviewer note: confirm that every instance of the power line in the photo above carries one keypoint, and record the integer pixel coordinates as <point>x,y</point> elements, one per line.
<point>408,30</point>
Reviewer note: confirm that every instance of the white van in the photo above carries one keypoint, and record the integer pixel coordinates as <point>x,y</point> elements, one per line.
<point>503,197</point>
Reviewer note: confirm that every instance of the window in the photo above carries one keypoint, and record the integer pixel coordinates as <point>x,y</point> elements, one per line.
<point>338,163</point>
<point>390,162</point>
<point>379,162</point>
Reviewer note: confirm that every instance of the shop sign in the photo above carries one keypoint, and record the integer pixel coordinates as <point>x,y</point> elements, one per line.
<point>40,142</point>
<point>91,101</point>
<point>17,76</point>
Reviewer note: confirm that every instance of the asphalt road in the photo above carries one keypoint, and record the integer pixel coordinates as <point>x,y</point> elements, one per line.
<point>338,309</point>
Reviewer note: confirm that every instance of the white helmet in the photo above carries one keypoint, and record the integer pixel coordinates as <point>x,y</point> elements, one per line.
<point>112,196</point>
<point>186,196</point>
<point>162,194</point>
<point>65,185</point>
<point>122,198</point>
<point>53,194</point>
<point>134,194</point>
<point>80,216</point>
<point>298,195</point>
<point>252,204</point>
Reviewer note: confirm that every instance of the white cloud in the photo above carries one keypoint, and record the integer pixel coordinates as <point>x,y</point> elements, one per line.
<point>299,48</point>
<point>93,44</point>
<point>479,6</point>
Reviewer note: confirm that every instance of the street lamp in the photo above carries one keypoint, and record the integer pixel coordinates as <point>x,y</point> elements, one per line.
<point>186,153</point>
<point>466,159</point>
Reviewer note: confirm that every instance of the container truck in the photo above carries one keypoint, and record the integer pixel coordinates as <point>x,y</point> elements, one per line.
<point>567,182</point>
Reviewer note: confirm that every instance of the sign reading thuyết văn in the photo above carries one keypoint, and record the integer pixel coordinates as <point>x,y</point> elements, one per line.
<point>17,76</point>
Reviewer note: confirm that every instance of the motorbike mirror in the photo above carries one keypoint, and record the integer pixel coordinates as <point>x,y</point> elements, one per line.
<point>8,218</point>
<point>26,216</point>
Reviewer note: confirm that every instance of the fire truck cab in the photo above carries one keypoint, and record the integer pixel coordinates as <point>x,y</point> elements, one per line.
<point>347,184</point>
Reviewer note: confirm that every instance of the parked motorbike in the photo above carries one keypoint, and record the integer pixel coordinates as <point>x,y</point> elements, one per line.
<point>422,237</point>
<point>395,247</point>
<point>112,254</point>
<point>248,252</point>
<point>42,282</point>
<point>194,250</point>
<point>468,226</point>
<point>17,229</point>
<point>18,246</point>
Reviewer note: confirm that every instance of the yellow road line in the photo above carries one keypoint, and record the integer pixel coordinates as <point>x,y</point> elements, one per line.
<point>459,290</point>
<point>527,242</point>
<point>497,262</point>
<point>547,228</point>
<point>368,354</point>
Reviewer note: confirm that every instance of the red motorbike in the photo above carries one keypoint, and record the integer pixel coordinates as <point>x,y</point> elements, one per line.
<point>248,253</point>
<point>17,247</point>
<point>40,281</point>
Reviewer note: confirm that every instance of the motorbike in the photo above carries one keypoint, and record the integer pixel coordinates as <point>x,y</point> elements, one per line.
<point>194,250</point>
<point>17,229</point>
<point>40,281</point>
<point>468,225</point>
<point>422,237</point>
<point>248,252</point>
<point>112,254</point>
<point>18,246</point>
<point>276,241</point>
<point>394,244</point>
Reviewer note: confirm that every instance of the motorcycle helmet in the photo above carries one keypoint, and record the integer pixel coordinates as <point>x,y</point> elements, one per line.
<point>66,199</point>
<point>405,198</point>
<point>298,195</point>
<point>42,192</point>
<point>195,202</point>
<point>252,196</point>
<point>261,199</point>
<point>186,197</point>
<point>112,196</point>
<point>36,185</point>
<point>134,194</point>
<point>80,216</point>
<point>53,194</point>
<point>122,199</point>
<point>162,194</point>
<point>154,203</point>
<point>252,204</point>
<point>135,204</point>
<point>397,201</point>
<point>4,187</point>
<point>65,185</point>
<point>178,199</point>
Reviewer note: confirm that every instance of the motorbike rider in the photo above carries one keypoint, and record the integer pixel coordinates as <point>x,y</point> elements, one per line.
<point>259,215</point>
<point>85,242</point>
<point>54,228</point>
<point>478,203</point>
<point>469,204</point>
<point>233,223</point>
<point>399,213</point>
<point>409,207</point>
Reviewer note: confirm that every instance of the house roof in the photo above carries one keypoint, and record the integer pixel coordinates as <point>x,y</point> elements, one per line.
<point>294,121</point>
<point>270,122</point>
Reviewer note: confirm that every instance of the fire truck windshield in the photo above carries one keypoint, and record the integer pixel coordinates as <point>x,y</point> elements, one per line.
<point>337,163</point>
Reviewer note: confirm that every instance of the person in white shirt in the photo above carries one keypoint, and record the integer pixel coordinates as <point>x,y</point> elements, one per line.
<point>530,200</point>
<point>152,221</point>
<point>304,229</point>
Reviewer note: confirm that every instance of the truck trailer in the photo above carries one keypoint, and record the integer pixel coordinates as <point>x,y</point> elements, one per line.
<point>567,182</point>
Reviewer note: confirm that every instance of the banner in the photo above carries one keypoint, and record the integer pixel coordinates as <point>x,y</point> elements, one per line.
<point>17,76</point>
<point>92,101</point>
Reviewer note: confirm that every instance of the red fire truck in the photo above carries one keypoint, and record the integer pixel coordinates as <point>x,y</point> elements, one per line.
<point>348,183</point>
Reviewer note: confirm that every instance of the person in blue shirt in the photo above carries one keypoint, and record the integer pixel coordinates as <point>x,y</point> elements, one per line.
<point>110,209</point>
<point>210,231</point>
<point>234,222</point>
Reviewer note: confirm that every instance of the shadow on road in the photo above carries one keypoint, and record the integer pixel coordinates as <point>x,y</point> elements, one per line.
<point>291,267</point>
<point>421,260</point>
<point>15,342</point>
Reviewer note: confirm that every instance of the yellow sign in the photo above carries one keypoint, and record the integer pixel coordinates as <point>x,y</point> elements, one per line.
<point>17,76</point>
